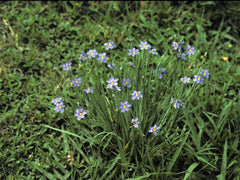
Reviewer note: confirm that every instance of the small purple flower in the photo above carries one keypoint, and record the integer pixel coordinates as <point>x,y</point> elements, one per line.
<point>133,52</point>
<point>118,88</point>
<point>66,66</point>
<point>102,57</point>
<point>56,100</point>
<point>109,45</point>
<point>80,113</point>
<point>111,66</point>
<point>76,81</point>
<point>153,51</point>
<point>176,45</point>
<point>113,83</point>
<point>183,56</point>
<point>154,129</point>
<point>175,103</point>
<point>161,71</point>
<point>92,53</point>
<point>135,122</point>
<point>136,95</point>
<point>124,106</point>
<point>190,50</point>
<point>205,73</point>
<point>182,41</point>
<point>198,79</point>
<point>126,82</point>
<point>185,79</point>
<point>59,107</point>
<point>88,90</point>
<point>83,56</point>
<point>131,64</point>
<point>144,45</point>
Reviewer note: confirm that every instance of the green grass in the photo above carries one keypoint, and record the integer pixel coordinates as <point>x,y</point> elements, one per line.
<point>200,141</point>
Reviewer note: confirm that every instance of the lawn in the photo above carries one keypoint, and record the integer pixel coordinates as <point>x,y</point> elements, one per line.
<point>120,90</point>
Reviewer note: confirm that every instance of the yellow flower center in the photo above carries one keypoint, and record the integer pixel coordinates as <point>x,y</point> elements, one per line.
<point>134,52</point>
<point>185,80</point>
<point>198,78</point>
<point>144,45</point>
<point>102,57</point>
<point>80,114</point>
<point>124,106</point>
<point>154,129</point>
<point>92,53</point>
<point>67,67</point>
<point>59,107</point>
<point>111,82</point>
<point>204,73</point>
<point>83,57</point>
<point>152,50</point>
<point>126,82</point>
<point>109,44</point>
<point>175,104</point>
<point>76,81</point>
<point>190,50</point>
<point>136,94</point>
<point>176,44</point>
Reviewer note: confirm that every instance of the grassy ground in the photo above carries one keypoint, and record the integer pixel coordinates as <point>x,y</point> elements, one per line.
<point>198,141</point>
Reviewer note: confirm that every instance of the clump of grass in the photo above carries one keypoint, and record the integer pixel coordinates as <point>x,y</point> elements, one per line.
<point>119,112</point>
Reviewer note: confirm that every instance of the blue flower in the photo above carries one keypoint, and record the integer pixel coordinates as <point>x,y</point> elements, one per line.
<point>102,57</point>
<point>126,82</point>
<point>113,83</point>
<point>153,51</point>
<point>175,103</point>
<point>185,79</point>
<point>80,113</point>
<point>131,64</point>
<point>144,45</point>
<point>83,56</point>
<point>161,71</point>
<point>136,95</point>
<point>56,100</point>
<point>198,79</point>
<point>205,73</point>
<point>109,45</point>
<point>124,106</point>
<point>135,122</point>
<point>88,90</point>
<point>133,52</point>
<point>76,81</point>
<point>66,66</point>
<point>154,129</point>
<point>183,56</point>
<point>190,50</point>
<point>176,45</point>
<point>112,66</point>
<point>92,53</point>
<point>59,107</point>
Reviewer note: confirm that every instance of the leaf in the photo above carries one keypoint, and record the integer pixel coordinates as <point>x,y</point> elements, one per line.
<point>111,166</point>
<point>205,161</point>
<point>222,176</point>
<point>190,169</point>
<point>142,177</point>
<point>177,153</point>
